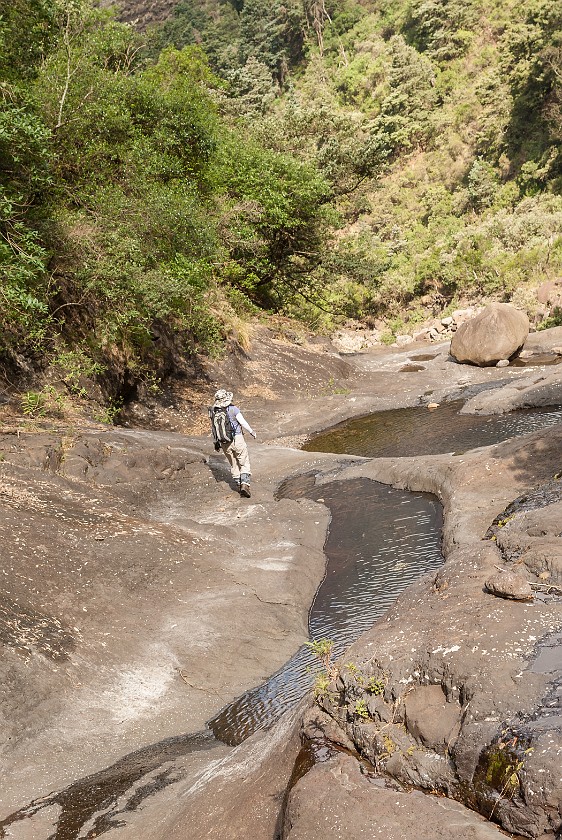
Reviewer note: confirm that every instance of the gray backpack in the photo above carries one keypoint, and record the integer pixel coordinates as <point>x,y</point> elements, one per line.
<point>221,425</point>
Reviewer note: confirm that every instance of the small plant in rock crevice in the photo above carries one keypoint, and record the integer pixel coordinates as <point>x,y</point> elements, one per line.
<point>323,649</point>
<point>108,413</point>
<point>374,685</point>
<point>500,775</point>
<point>33,403</point>
<point>332,389</point>
<point>361,709</point>
<point>389,745</point>
<point>47,401</point>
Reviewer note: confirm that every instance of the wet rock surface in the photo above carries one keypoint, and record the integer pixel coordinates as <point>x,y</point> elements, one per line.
<point>141,594</point>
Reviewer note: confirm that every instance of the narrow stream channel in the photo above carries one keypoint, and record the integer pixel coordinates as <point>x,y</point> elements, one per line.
<point>380,541</point>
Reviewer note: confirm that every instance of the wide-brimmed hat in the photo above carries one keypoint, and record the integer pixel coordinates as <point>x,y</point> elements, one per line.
<point>222,398</point>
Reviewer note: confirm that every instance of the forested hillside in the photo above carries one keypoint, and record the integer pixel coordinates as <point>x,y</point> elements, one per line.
<point>322,161</point>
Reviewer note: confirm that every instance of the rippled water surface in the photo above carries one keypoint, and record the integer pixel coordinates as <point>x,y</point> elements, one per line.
<point>423,431</point>
<point>380,541</point>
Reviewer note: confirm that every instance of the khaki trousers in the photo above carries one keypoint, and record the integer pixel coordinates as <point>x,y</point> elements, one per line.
<point>237,455</point>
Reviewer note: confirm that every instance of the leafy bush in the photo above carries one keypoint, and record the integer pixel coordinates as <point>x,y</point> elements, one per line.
<point>24,175</point>
<point>272,220</point>
<point>440,27</point>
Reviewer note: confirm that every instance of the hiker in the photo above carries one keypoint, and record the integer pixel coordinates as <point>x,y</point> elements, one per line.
<point>227,426</point>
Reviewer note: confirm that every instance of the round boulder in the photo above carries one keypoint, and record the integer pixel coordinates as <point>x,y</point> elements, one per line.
<point>495,333</point>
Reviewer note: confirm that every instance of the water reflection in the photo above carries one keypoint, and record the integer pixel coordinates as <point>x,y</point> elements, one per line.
<point>418,431</point>
<point>380,541</point>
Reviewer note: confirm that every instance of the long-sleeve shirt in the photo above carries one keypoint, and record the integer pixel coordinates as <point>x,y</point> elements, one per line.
<point>238,421</point>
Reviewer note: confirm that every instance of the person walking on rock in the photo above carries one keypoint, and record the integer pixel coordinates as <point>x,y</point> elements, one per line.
<point>227,426</point>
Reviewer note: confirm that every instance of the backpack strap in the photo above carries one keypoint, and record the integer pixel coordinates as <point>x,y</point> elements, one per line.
<point>211,413</point>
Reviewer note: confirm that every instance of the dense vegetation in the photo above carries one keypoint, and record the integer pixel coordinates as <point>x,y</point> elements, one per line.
<point>316,158</point>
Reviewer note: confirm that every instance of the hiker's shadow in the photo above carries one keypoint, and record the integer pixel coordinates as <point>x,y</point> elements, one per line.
<point>221,472</point>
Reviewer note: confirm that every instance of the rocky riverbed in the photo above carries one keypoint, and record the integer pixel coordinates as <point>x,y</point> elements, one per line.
<point>141,594</point>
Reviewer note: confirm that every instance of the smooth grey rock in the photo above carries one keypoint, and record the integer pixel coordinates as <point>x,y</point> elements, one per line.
<point>119,556</point>
<point>543,341</point>
<point>495,333</point>
<point>225,625</point>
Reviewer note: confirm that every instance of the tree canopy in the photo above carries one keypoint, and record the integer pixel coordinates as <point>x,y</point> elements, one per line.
<point>319,159</point>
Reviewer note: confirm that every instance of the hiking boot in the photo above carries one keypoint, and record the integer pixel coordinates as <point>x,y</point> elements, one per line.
<point>245,490</point>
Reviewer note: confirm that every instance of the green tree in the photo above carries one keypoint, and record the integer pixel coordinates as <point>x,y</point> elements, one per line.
<point>25,32</point>
<point>532,61</point>
<point>273,220</point>
<point>272,31</point>
<point>27,28</point>
<point>406,110</point>
<point>442,28</point>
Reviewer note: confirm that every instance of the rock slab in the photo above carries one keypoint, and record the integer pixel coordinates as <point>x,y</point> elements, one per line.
<point>335,800</point>
<point>511,585</point>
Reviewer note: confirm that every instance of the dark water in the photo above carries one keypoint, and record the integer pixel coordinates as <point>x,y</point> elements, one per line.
<point>380,541</point>
<point>422,431</point>
<point>103,798</point>
<point>537,360</point>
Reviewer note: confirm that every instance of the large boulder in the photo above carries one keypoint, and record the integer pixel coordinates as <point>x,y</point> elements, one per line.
<point>495,333</point>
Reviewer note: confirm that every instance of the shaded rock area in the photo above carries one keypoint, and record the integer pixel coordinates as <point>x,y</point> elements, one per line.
<point>243,796</point>
<point>142,13</point>
<point>544,341</point>
<point>492,335</point>
<point>538,389</point>
<point>528,534</point>
<point>141,594</point>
